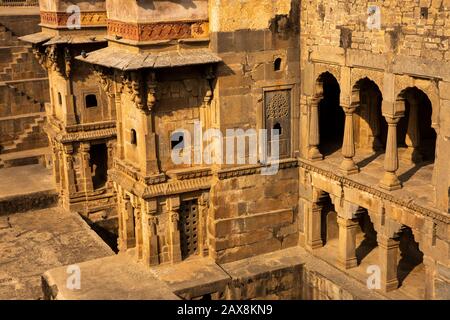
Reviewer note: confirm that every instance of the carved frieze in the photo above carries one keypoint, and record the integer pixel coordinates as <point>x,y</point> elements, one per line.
<point>158,31</point>
<point>59,19</point>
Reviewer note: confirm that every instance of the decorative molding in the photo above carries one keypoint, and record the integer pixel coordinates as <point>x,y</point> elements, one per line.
<point>87,135</point>
<point>91,126</point>
<point>133,172</point>
<point>158,31</point>
<point>60,19</point>
<point>254,169</point>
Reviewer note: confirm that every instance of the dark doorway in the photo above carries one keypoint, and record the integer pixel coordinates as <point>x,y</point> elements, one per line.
<point>424,139</point>
<point>189,228</point>
<point>372,126</point>
<point>329,227</point>
<point>331,116</point>
<point>99,165</point>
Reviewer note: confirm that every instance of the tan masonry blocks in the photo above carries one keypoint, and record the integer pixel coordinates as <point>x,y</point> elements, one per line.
<point>253,222</point>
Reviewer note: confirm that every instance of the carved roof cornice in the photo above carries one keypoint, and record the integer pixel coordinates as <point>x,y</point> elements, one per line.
<point>86,135</point>
<point>247,170</point>
<point>90,126</point>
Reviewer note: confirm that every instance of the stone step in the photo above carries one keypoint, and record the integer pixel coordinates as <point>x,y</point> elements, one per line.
<point>24,158</point>
<point>31,133</point>
<point>26,188</point>
<point>27,202</point>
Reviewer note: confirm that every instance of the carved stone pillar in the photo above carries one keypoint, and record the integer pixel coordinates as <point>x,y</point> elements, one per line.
<point>430,272</point>
<point>173,206</point>
<point>390,180</point>
<point>137,212</point>
<point>347,242</point>
<point>314,133</point>
<point>313,226</point>
<point>127,238</point>
<point>412,138</point>
<point>388,250</point>
<point>70,171</point>
<point>111,150</point>
<point>61,169</point>
<point>130,228</point>
<point>203,204</point>
<point>87,171</point>
<point>348,166</point>
<point>56,164</point>
<point>150,234</point>
<point>121,239</point>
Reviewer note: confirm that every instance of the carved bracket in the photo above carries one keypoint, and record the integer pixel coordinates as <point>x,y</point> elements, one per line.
<point>105,78</point>
<point>142,89</point>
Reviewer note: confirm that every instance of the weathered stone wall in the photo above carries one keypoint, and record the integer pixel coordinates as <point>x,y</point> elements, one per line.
<point>180,99</point>
<point>157,11</point>
<point>250,213</point>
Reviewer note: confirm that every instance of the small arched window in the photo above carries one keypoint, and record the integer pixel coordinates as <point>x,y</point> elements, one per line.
<point>91,101</point>
<point>277,64</point>
<point>133,137</point>
<point>60,98</point>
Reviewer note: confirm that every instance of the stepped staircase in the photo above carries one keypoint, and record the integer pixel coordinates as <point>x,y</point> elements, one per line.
<point>28,137</point>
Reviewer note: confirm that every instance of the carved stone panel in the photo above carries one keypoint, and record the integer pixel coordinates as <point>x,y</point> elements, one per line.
<point>277,116</point>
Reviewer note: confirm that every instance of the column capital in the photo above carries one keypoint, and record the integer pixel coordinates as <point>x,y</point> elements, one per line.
<point>173,203</point>
<point>351,108</point>
<point>85,147</point>
<point>388,242</point>
<point>347,223</point>
<point>68,149</point>
<point>392,120</point>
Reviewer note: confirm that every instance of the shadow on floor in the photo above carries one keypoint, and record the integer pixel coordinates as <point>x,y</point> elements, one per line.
<point>369,159</point>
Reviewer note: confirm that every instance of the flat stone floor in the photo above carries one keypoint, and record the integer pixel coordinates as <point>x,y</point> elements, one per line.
<point>36,241</point>
<point>119,277</point>
<point>416,179</point>
<point>25,180</point>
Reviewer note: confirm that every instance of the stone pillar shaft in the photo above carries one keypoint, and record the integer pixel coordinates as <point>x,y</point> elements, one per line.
<point>173,206</point>
<point>348,166</point>
<point>314,133</point>
<point>150,234</point>
<point>390,180</point>
<point>87,170</point>
<point>347,243</point>
<point>70,171</point>
<point>313,226</point>
<point>388,250</point>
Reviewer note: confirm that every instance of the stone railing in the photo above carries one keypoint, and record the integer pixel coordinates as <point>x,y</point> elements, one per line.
<point>19,3</point>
